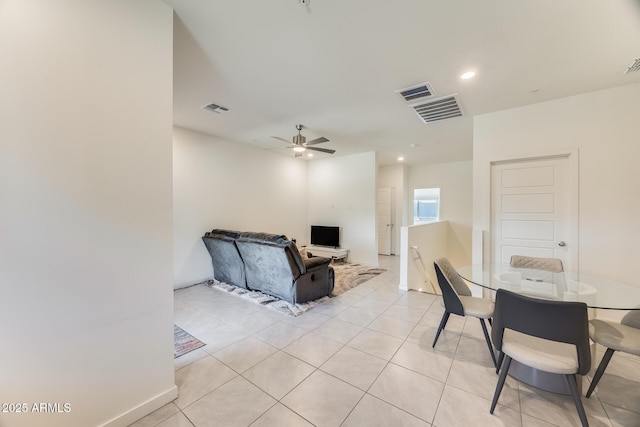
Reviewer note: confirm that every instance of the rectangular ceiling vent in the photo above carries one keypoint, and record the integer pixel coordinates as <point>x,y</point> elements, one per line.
<point>414,93</point>
<point>216,108</point>
<point>635,66</point>
<point>438,109</point>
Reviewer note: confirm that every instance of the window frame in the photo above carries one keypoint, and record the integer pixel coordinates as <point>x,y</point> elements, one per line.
<point>417,199</point>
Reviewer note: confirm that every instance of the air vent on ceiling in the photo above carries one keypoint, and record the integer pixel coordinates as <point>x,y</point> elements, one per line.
<point>216,108</point>
<point>635,66</point>
<point>434,110</point>
<point>417,92</point>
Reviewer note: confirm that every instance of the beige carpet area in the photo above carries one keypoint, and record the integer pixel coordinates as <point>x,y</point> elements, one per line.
<point>348,276</point>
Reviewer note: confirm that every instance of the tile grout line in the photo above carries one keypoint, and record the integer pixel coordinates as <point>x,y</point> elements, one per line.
<point>318,368</point>
<point>386,365</point>
<point>333,315</point>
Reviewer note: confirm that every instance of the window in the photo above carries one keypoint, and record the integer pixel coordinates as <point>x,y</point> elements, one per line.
<point>426,205</point>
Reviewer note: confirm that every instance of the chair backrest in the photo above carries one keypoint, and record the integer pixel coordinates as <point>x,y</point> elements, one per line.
<point>453,277</point>
<point>553,265</point>
<point>632,319</point>
<point>451,286</point>
<point>560,321</point>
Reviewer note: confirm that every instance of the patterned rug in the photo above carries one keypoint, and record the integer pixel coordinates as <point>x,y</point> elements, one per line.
<point>184,342</point>
<point>347,276</point>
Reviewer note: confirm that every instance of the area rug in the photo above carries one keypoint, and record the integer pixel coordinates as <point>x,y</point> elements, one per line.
<point>347,276</point>
<point>184,342</point>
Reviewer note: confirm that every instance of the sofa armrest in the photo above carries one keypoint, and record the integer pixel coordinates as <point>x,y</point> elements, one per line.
<point>318,282</point>
<point>315,261</point>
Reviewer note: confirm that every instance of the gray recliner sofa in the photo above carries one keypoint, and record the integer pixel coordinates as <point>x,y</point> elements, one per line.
<point>272,264</point>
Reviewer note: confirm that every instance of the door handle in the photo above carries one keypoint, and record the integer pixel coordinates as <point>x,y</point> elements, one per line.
<point>562,243</point>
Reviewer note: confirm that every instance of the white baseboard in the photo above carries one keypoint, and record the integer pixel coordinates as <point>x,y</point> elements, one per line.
<point>143,409</point>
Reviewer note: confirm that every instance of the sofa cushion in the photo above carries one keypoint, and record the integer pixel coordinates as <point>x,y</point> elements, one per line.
<point>269,266</point>
<point>279,241</point>
<point>228,266</point>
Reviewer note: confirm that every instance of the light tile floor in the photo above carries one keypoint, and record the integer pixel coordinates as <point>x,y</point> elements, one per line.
<point>362,359</point>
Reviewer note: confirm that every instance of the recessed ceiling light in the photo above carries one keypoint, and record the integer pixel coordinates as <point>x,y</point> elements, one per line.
<point>468,75</point>
<point>309,154</point>
<point>400,159</point>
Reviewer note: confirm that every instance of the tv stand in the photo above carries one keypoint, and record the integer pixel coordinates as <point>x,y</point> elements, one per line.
<point>327,252</point>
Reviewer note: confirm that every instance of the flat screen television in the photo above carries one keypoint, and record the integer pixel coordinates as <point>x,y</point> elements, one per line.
<point>325,236</point>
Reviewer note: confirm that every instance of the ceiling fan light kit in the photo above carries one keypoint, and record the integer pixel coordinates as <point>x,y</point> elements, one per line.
<point>300,144</point>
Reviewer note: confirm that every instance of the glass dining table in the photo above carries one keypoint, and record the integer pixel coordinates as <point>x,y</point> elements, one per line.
<point>595,292</point>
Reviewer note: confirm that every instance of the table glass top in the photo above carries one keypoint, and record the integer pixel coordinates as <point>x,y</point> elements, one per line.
<point>596,292</point>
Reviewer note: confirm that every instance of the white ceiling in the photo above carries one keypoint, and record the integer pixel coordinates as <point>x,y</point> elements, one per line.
<point>334,66</point>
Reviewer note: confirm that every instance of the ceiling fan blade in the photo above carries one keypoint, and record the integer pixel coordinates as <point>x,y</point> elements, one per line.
<point>324,150</point>
<point>318,141</point>
<point>296,154</point>
<point>281,139</point>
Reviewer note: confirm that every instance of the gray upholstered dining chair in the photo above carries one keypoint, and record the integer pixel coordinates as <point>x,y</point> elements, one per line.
<point>553,265</point>
<point>458,300</point>
<point>551,336</point>
<point>623,336</point>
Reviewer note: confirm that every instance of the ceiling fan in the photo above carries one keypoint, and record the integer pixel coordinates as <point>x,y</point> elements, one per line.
<point>301,145</point>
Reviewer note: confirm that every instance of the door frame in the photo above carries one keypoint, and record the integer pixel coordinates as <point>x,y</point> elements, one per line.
<point>392,220</point>
<point>571,154</point>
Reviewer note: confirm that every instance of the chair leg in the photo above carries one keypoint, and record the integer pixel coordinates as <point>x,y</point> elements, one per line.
<point>486,337</point>
<point>503,377</point>
<point>601,367</point>
<point>443,323</point>
<point>500,359</point>
<point>571,382</point>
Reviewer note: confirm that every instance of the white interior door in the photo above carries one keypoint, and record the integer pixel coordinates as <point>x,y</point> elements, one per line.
<point>531,210</point>
<point>383,213</point>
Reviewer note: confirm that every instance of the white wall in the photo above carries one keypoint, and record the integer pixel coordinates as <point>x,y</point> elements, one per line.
<point>342,192</point>
<point>219,184</point>
<point>604,127</point>
<point>86,311</point>
<point>392,176</point>
<point>416,267</point>
<point>455,182</point>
